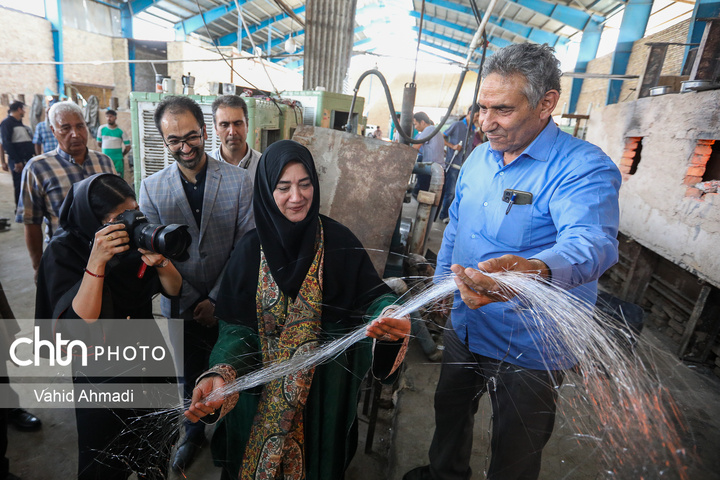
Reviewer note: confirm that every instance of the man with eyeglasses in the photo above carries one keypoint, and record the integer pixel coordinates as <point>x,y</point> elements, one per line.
<point>230,115</point>
<point>215,199</point>
<point>47,178</point>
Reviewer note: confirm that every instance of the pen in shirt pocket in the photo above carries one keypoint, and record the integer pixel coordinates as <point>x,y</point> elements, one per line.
<point>516,197</point>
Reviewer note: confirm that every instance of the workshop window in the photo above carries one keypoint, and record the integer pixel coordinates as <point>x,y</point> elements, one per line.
<point>703,173</point>
<point>631,156</point>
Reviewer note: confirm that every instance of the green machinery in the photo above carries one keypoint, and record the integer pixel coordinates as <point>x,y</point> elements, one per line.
<point>268,122</point>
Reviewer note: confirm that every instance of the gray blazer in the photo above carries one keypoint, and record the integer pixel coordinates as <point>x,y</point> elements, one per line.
<point>227,215</point>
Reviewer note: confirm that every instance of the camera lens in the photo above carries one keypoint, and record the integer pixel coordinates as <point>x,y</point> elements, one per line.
<point>171,241</point>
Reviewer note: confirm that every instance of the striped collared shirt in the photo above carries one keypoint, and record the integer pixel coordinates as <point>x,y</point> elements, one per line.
<point>45,137</point>
<point>46,181</point>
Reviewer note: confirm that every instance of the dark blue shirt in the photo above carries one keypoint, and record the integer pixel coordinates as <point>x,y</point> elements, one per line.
<point>195,193</point>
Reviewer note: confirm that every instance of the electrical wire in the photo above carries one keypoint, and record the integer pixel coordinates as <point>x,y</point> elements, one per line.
<point>207,30</point>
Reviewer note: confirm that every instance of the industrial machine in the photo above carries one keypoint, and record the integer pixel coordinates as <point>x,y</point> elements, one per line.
<point>329,110</point>
<point>268,122</point>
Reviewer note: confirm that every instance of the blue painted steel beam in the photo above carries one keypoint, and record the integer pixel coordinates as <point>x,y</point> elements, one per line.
<point>126,26</point>
<point>496,42</point>
<point>53,13</point>
<point>588,50</point>
<point>198,21</point>
<point>702,9</point>
<point>632,28</point>
<point>570,16</point>
<point>514,28</point>
<point>525,3</point>
<point>458,53</point>
<point>232,38</point>
<point>137,6</point>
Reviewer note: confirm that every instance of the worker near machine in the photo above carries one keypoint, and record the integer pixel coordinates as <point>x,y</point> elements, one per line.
<point>431,151</point>
<point>297,279</point>
<point>453,138</point>
<point>48,178</point>
<point>533,199</point>
<point>215,200</point>
<point>114,142</point>
<point>17,141</point>
<point>230,115</point>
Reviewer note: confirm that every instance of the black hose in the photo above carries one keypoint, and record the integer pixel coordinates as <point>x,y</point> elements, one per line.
<point>396,121</point>
<point>474,103</point>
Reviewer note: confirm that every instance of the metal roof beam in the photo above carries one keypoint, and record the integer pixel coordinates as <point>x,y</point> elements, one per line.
<point>460,54</point>
<point>570,16</point>
<point>632,28</point>
<point>137,6</point>
<point>702,9</point>
<point>534,34</point>
<point>497,42</point>
<point>232,38</point>
<point>467,30</point>
<point>588,50</point>
<point>198,21</point>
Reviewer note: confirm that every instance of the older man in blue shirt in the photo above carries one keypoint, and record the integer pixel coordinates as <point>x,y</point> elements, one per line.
<point>565,232</point>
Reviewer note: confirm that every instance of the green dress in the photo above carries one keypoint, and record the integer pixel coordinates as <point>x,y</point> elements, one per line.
<point>352,294</point>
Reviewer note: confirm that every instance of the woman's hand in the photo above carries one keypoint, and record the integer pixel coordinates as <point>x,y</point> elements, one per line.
<point>153,259</point>
<point>389,329</point>
<point>198,408</point>
<point>170,278</point>
<point>109,241</point>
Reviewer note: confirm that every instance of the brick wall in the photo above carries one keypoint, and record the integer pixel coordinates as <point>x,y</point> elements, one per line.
<point>25,38</point>
<point>673,59</point>
<point>595,90</point>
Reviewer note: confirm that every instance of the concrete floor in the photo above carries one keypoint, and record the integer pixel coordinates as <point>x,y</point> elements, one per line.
<point>403,433</point>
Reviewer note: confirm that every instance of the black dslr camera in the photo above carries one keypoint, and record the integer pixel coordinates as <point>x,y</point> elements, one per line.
<point>172,241</point>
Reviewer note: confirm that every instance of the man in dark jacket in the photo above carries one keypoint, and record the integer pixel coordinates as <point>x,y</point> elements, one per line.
<point>17,142</point>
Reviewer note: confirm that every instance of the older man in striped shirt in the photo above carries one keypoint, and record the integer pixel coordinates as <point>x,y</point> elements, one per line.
<point>47,178</point>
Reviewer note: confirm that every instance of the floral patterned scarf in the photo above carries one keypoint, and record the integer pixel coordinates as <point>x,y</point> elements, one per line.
<point>286,327</point>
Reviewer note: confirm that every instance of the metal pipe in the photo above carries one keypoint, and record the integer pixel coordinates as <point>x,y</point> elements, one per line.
<point>406,110</point>
<point>480,30</point>
<point>428,203</point>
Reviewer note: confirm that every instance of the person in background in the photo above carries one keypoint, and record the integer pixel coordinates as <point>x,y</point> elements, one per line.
<point>215,199</point>
<point>88,272</point>
<point>44,140</point>
<point>431,151</point>
<point>454,138</point>
<point>17,142</point>
<point>297,279</point>
<point>47,178</point>
<point>563,231</point>
<point>377,133</point>
<point>230,115</point>
<point>113,141</point>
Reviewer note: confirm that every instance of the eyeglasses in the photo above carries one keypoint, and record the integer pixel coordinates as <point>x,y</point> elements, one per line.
<point>192,140</point>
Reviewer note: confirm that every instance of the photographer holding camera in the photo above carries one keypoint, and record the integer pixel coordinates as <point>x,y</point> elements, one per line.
<point>89,271</point>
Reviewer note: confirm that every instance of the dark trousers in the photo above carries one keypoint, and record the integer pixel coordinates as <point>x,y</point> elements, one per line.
<point>17,181</point>
<point>448,194</point>
<point>523,406</point>
<point>198,343</point>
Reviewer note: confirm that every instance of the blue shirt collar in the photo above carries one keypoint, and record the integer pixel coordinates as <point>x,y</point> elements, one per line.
<point>540,148</point>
